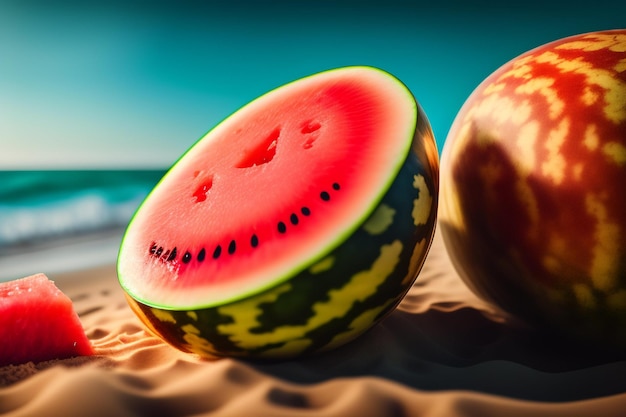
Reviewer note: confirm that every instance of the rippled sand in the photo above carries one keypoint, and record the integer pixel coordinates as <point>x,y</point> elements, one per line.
<point>442,353</point>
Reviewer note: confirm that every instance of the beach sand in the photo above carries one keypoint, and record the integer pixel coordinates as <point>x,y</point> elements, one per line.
<point>443,352</point>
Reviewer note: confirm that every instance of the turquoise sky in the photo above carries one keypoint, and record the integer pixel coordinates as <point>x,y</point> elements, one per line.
<point>134,84</point>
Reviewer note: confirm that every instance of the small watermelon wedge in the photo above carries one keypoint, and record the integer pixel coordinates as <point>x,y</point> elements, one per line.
<point>293,226</point>
<point>38,323</point>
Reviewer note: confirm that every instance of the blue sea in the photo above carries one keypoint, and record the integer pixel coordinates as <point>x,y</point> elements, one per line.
<point>56,221</point>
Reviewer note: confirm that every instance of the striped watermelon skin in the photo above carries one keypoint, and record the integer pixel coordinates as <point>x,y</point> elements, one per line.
<point>338,298</point>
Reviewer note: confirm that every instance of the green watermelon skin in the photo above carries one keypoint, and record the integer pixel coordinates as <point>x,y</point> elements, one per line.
<point>338,298</point>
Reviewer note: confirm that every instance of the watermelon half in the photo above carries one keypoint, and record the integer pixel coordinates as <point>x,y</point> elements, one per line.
<point>293,226</point>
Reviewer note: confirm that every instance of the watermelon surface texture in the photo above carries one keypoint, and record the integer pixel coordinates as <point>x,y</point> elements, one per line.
<point>38,323</point>
<point>291,227</point>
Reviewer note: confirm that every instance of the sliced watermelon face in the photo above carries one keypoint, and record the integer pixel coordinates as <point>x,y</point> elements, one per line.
<point>315,199</point>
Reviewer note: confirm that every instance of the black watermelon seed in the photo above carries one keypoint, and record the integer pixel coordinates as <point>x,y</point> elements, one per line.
<point>217,252</point>
<point>293,219</point>
<point>336,186</point>
<point>324,196</point>
<point>172,255</point>
<point>254,241</point>
<point>305,211</point>
<point>159,251</point>
<point>153,248</point>
<point>232,246</point>
<point>186,257</point>
<point>201,255</point>
<point>282,228</point>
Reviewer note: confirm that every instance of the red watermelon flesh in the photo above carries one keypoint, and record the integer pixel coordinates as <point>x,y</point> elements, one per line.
<point>309,161</point>
<point>38,323</point>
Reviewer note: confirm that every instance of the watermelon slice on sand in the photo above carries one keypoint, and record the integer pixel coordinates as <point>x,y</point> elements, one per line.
<point>38,323</point>
<point>293,226</point>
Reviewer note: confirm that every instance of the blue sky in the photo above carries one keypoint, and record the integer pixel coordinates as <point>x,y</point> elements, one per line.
<point>134,84</point>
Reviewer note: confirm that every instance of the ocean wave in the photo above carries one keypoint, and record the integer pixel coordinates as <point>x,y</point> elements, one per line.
<point>82,214</point>
<point>42,206</point>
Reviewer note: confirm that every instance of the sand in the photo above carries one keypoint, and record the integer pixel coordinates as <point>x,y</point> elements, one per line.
<point>443,352</point>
